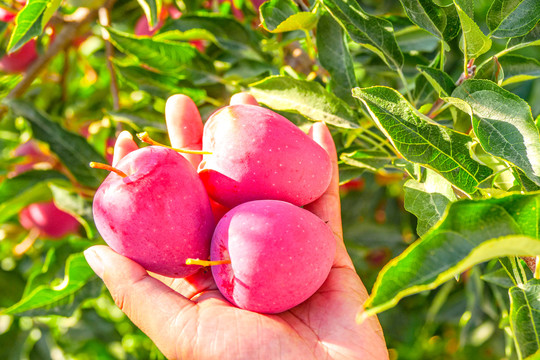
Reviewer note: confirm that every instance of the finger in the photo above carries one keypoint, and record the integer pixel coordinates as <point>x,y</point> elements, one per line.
<point>184,125</point>
<point>243,98</point>
<point>124,145</point>
<point>192,285</point>
<point>328,206</point>
<point>150,304</point>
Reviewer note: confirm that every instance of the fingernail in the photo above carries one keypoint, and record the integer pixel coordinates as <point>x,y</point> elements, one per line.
<point>93,259</point>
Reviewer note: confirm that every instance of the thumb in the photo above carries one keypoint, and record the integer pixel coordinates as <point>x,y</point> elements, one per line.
<point>150,304</point>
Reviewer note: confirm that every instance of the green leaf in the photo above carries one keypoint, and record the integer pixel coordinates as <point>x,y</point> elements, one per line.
<point>499,277</point>
<point>72,149</point>
<point>348,173</point>
<point>162,55</point>
<point>283,15</point>
<point>491,70</point>
<point>474,42</point>
<point>421,141</point>
<point>228,32</point>
<point>471,232</point>
<point>308,98</point>
<point>504,125</point>
<point>161,85</point>
<point>428,199</point>
<point>413,40</point>
<point>30,22</point>
<point>80,283</point>
<point>443,22</point>
<point>25,189</point>
<point>519,68</point>
<point>66,199</point>
<point>140,121</point>
<point>188,35</point>
<point>441,81</point>
<point>525,317</point>
<point>335,57</point>
<point>531,39</point>
<point>374,33</point>
<point>152,10</point>
<point>368,159</point>
<point>512,18</point>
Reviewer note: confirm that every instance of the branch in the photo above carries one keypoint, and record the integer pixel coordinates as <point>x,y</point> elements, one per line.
<point>105,21</point>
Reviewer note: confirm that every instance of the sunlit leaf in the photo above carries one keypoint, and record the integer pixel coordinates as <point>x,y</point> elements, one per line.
<point>305,97</point>
<point>372,160</point>
<point>283,15</point>
<point>152,10</point>
<point>519,68</point>
<point>525,317</point>
<point>512,18</point>
<point>159,54</point>
<point>428,199</point>
<point>474,42</point>
<point>421,141</point>
<point>504,124</point>
<point>79,284</point>
<point>441,81</point>
<point>30,22</point>
<point>471,232</point>
<point>441,21</point>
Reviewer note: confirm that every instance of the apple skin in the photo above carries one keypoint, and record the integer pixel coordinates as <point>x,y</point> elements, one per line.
<point>258,154</point>
<point>159,215</point>
<point>280,255</point>
<point>21,59</point>
<point>51,222</point>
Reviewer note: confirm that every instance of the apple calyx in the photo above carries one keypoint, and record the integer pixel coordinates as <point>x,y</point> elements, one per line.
<point>206,262</point>
<point>147,139</point>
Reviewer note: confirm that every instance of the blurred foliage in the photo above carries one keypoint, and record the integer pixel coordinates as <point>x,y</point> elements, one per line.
<point>303,61</point>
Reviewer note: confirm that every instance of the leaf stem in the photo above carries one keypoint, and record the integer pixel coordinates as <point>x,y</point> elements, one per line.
<point>405,85</point>
<point>517,275</point>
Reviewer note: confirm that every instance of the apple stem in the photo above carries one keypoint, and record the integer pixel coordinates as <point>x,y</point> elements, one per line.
<point>147,139</point>
<point>206,262</point>
<point>96,165</point>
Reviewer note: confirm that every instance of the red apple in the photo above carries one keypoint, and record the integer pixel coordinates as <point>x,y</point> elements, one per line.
<point>51,222</point>
<point>155,211</point>
<point>273,255</point>
<point>258,154</point>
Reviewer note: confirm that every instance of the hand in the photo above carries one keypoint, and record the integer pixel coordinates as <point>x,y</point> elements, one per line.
<point>189,319</point>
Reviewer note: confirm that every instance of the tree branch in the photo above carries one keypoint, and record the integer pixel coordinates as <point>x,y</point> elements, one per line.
<point>105,21</point>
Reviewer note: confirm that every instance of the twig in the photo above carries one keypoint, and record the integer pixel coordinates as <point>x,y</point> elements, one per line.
<point>65,78</point>
<point>471,70</point>
<point>105,21</point>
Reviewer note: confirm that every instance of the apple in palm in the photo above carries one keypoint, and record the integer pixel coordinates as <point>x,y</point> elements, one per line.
<point>155,211</point>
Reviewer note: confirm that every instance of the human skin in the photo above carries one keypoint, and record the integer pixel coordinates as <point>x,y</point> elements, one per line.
<point>189,319</point>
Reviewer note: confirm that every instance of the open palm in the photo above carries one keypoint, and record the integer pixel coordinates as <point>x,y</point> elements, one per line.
<point>189,319</point>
